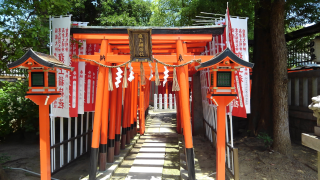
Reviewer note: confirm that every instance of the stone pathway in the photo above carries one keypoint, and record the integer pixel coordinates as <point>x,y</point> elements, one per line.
<point>155,156</point>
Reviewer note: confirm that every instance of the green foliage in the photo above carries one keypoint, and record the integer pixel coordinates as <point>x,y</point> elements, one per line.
<point>17,112</point>
<point>4,158</point>
<point>25,24</point>
<point>166,13</point>
<point>180,13</point>
<point>301,12</point>
<point>124,13</point>
<point>266,139</point>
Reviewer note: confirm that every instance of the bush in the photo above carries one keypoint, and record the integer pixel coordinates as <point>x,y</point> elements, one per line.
<point>266,139</point>
<point>17,112</point>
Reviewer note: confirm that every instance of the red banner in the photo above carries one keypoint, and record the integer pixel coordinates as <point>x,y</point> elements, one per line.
<point>73,79</point>
<point>73,91</point>
<point>239,108</point>
<point>91,48</point>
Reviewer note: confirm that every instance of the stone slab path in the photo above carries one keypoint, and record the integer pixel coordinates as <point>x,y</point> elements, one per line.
<point>155,156</point>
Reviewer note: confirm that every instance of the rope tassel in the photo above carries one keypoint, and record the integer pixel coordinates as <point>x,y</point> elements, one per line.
<point>142,75</point>
<point>125,81</point>
<point>175,85</point>
<point>157,80</point>
<point>110,80</point>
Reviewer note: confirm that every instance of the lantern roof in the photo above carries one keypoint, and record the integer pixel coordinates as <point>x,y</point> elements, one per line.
<point>41,58</point>
<point>226,53</point>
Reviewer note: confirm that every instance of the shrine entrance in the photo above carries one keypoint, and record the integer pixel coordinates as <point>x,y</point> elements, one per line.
<point>171,53</point>
<point>129,59</point>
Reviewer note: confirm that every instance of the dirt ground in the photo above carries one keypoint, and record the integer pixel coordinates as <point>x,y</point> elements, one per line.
<point>256,162</point>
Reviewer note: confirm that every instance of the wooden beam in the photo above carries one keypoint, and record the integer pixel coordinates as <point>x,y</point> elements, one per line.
<point>101,36</point>
<point>196,44</point>
<point>160,37</point>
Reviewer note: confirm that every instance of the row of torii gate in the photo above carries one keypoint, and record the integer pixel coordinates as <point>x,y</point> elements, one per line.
<point>179,50</point>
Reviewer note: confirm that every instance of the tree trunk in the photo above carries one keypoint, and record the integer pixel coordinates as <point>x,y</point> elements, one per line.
<point>281,135</point>
<point>260,118</point>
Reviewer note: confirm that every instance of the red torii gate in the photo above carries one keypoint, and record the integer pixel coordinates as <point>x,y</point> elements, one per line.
<point>172,46</point>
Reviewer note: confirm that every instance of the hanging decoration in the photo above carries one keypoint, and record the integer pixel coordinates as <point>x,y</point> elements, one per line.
<point>120,65</point>
<point>118,78</point>
<point>175,85</point>
<point>151,75</point>
<point>157,80</point>
<point>110,80</point>
<point>165,76</point>
<point>125,81</point>
<point>142,75</point>
<point>131,75</point>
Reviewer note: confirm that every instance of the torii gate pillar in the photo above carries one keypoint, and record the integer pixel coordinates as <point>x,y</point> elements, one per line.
<point>183,79</point>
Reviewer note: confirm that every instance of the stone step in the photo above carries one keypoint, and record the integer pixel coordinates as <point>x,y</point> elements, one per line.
<point>150,156</point>
<point>152,150</point>
<point>148,162</point>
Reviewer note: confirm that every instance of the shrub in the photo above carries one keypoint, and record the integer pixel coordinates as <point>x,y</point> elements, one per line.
<point>17,112</point>
<point>266,139</point>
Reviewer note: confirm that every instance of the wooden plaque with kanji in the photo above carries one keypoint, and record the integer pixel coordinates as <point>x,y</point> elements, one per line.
<point>140,45</point>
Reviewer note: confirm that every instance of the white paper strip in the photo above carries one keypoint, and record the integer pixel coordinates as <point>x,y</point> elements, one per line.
<point>151,75</point>
<point>118,78</point>
<point>165,75</point>
<point>131,75</point>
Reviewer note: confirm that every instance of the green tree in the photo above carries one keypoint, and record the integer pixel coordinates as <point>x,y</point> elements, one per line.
<point>86,11</point>
<point>124,13</point>
<point>16,112</point>
<point>25,24</point>
<point>269,88</point>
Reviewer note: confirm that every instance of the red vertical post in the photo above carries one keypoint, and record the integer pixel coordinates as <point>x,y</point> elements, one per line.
<point>222,102</point>
<point>129,116</point>
<point>112,122</point>
<point>178,116</point>
<point>135,103</point>
<point>97,116</point>
<point>44,130</point>
<point>104,125</point>
<point>118,120</point>
<point>132,110</point>
<point>184,96</point>
<point>142,110</point>
<point>192,108</point>
<point>125,118</point>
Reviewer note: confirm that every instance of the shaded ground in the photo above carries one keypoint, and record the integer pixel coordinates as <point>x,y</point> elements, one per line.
<point>255,161</point>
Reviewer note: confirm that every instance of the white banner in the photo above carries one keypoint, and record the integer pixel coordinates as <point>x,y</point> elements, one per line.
<point>240,38</point>
<point>60,49</point>
<point>81,74</point>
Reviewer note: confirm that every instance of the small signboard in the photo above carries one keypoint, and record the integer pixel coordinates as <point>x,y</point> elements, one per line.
<point>140,45</point>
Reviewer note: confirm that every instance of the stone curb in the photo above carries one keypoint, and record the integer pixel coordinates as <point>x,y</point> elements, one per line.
<point>112,167</point>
